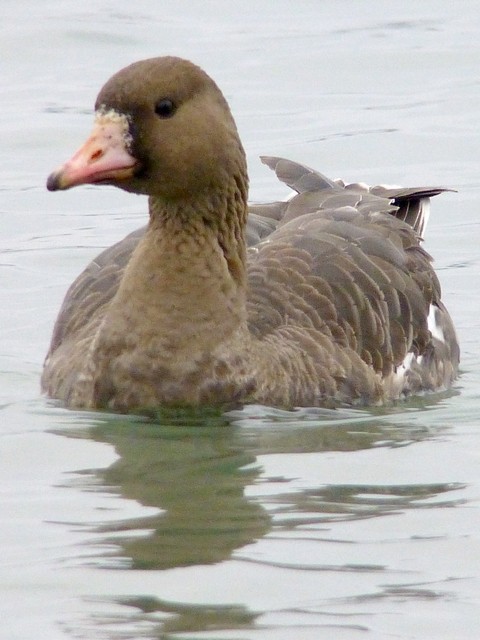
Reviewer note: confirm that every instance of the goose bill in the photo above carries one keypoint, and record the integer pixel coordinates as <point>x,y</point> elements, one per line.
<point>103,158</point>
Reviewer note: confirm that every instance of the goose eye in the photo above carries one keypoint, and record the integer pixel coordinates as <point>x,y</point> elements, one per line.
<point>165,108</point>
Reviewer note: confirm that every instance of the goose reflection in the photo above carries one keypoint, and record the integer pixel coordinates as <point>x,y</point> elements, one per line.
<point>198,471</point>
<point>194,468</point>
<point>195,474</point>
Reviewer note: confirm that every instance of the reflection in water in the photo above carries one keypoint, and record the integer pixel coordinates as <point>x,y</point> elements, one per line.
<point>188,618</point>
<point>305,512</point>
<point>195,468</point>
<point>337,503</point>
<point>196,476</point>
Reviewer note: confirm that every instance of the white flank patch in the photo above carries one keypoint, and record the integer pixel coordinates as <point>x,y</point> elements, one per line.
<point>433,326</point>
<point>402,370</point>
<point>404,367</point>
<point>410,359</point>
<point>424,214</point>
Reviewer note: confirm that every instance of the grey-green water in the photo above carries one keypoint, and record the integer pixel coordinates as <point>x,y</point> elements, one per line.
<point>259,524</point>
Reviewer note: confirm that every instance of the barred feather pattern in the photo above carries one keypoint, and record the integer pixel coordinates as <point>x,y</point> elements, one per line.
<point>342,298</point>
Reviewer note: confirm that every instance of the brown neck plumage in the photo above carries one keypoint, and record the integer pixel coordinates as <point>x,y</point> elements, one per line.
<point>215,216</point>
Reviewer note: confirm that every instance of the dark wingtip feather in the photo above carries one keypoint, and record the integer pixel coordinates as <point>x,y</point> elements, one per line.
<point>297,176</point>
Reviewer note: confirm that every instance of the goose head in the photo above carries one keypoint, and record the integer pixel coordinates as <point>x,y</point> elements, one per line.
<point>162,128</point>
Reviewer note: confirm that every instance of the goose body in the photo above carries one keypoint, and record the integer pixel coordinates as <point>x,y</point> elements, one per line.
<point>326,299</point>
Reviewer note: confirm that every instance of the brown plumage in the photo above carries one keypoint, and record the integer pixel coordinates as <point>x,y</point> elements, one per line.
<point>335,303</point>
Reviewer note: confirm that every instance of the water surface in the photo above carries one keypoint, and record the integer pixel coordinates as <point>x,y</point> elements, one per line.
<point>257,524</point>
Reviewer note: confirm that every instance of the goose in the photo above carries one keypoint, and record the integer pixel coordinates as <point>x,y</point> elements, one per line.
<point>327,299</point>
